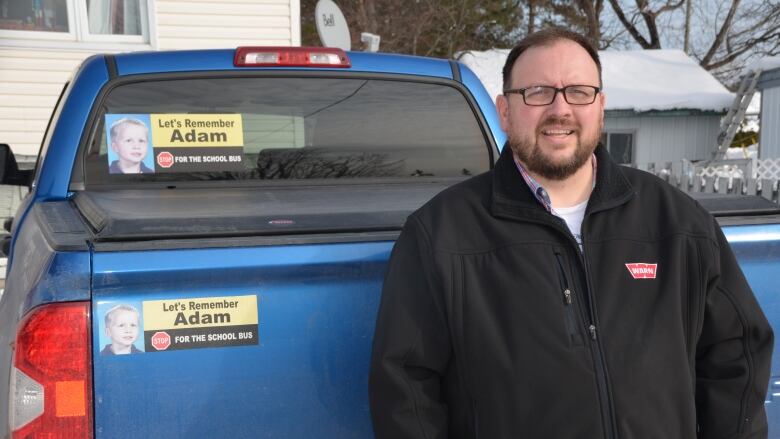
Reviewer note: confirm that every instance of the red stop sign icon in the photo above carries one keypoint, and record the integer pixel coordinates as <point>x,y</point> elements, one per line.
<point>165,159</point>
<point>161,341</point>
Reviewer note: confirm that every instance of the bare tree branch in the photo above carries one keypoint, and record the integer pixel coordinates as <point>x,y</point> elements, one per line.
<point>591,11</point>
<point>721,33</point>
<point>649,18</point>
<point>687,38</point>
<point>749,45</point>
<point>669,6</point>
<point>629,25</point>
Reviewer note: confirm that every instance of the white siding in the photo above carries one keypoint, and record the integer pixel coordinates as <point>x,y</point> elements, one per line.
<point>183,24</point>
<point>31,78</point>
<point>668,138</point>
<point>769,142</point>
<point>30,82</point>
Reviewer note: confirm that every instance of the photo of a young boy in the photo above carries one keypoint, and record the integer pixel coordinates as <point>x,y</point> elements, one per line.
<point>128,138</point>
<point>121,327</point>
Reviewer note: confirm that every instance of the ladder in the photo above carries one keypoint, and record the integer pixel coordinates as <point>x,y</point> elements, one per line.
<point>732,120</point>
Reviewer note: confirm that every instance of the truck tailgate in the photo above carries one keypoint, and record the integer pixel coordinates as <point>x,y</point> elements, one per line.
<point>254,310</point>
<point>304,376</point>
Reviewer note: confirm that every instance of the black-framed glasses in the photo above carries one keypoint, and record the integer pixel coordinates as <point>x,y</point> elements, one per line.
<point>539,95</point>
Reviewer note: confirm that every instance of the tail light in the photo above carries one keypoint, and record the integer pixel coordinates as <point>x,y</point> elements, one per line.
<point>51,377</point>
<point>290,57</point>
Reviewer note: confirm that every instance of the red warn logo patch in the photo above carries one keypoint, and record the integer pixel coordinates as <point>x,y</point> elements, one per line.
<point>642,271</point>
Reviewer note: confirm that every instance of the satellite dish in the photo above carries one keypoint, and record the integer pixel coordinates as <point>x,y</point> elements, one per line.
<point>331,25</point>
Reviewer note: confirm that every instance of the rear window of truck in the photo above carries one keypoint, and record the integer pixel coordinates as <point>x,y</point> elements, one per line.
<point>283,128</point>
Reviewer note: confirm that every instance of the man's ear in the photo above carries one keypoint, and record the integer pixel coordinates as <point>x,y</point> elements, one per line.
<point>502,106</point>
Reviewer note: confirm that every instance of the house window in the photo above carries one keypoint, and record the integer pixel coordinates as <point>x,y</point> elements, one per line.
<point>620,146</point>
<point>114,17</point>
<point>113,21</point>
<point>34,15</point>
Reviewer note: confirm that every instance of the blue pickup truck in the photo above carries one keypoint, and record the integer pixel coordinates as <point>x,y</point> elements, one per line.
<point>202,249</point>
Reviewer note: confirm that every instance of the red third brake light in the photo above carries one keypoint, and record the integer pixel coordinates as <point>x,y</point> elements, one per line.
<point>290,57</point>
<point>51,378</point>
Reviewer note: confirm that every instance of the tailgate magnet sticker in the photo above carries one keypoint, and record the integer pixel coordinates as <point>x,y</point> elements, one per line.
<point>203,322</point>
<point>120,325</point>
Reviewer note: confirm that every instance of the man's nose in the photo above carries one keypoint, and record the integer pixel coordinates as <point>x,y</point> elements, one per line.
<point>559,106</point>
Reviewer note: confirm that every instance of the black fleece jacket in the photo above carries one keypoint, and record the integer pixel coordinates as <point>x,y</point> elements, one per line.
<point>493,324</point>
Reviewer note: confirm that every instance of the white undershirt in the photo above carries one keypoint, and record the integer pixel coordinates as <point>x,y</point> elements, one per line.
<point>573,216</point>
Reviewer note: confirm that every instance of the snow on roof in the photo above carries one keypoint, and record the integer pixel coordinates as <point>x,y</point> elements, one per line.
<point>766,63</point>
<point>639,80</point>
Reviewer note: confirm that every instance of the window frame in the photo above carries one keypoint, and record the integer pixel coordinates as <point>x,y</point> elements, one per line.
<point>78,31</point>
<point>606,140</point>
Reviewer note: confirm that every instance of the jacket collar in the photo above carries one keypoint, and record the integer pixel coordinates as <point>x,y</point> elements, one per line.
<point>513,197</point>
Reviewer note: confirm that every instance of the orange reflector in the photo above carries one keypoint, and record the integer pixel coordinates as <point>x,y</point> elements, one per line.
<point>69,399</point>
<point>291,57</point>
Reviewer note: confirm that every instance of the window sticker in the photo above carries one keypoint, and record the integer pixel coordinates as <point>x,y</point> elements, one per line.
<point>163,143</point>
<point>205,322</point>
<point>198,142</point>
<point>119,328</point>
<point>128,144</point>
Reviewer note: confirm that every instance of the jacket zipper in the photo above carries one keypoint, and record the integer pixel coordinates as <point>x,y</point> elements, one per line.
<point>598,352</point>
<point>610,429</point>
<point>568,302</point>
<point>605,401</point>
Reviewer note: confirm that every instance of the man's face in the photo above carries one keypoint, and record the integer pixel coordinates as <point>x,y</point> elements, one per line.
<point>130,143</point>
<point>552,141</point>
<point>123,328</point>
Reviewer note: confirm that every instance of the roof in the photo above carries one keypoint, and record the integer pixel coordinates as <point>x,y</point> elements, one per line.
<point>638,80</point>
<point>770,72</point>
<point>766,63</point>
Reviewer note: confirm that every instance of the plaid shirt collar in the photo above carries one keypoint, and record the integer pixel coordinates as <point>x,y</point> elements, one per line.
<point>539,192</point>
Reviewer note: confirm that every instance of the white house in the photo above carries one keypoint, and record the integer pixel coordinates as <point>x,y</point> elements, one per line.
<point>43,41</point>
<point>661,105</point>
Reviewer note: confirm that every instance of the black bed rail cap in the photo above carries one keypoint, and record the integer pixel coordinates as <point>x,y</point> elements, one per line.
<point>721,205</point>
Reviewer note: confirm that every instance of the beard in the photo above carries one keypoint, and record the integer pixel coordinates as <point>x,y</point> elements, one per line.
<point>528,151</point>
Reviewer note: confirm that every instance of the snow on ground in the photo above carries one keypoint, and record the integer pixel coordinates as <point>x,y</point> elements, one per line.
<point>743,153</point>
<point>752,121</point>
<point>755,104</point>
<point>639,80</point>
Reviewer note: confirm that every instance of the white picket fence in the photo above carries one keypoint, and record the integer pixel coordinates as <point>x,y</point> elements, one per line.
<point>742,176</point>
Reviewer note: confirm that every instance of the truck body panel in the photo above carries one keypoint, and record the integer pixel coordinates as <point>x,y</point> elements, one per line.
<point>757,248</point>
<point>307,256</point>
<point>305,377</point>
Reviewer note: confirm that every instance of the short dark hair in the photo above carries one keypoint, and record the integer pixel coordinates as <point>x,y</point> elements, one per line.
<point>546,37</point>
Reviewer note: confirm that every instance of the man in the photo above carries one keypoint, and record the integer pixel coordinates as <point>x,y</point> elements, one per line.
<point>561,295</point>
